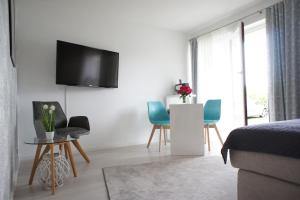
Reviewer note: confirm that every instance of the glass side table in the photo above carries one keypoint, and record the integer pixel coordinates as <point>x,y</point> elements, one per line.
<point>63,142</point>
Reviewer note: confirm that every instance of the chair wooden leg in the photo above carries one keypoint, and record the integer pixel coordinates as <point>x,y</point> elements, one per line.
<point>204,135</point>
<point>218,133</point>
<point>60,147</point>
<point>160,132</point>
<point>151,135</point>
<point>69,150</point>
<point>165,137</point>
<point>81,151</point>
<point>35,162</point>
<point>208,140</point>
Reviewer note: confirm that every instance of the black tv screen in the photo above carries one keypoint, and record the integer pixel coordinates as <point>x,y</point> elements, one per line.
<point>78,65</point>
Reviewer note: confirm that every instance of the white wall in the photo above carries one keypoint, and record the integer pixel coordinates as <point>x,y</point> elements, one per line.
<point>151,61</point>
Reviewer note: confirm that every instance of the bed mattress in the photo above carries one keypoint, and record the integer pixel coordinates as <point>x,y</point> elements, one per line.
<point>277,138</point>
<point>280,167</point>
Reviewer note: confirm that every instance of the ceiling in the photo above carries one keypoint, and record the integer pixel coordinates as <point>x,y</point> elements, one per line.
<point>177,15</point>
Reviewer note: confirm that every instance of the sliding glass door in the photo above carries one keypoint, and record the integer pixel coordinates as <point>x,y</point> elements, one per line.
<point>256,72</point>
<point>233,67</point>
<point>220,74</point>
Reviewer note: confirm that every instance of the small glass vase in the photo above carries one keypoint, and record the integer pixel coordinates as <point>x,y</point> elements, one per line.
<point>183,99</point>
<point>49,135</point>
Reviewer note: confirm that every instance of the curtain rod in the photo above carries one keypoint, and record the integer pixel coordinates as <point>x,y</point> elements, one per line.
<point>249,15</point>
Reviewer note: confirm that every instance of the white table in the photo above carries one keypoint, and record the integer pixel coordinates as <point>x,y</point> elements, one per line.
<point>186,122</point>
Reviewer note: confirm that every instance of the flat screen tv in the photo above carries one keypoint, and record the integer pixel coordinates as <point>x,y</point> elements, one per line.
<point>78,65</point>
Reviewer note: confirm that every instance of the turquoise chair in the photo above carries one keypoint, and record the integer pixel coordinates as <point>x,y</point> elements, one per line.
<point>212,114</point>
<point>159,117</point>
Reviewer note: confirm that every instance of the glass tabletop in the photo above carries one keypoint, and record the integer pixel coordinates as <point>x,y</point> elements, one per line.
<point>56,140</point>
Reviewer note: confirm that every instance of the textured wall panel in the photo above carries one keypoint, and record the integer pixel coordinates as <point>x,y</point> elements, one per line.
<point>8,141</point>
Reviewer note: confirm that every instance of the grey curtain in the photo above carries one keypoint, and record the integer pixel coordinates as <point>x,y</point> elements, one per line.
<point>283,31</point>
<point>194,65</point>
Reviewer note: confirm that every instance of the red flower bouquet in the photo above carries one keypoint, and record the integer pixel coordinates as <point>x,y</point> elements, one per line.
<point>184,91</point>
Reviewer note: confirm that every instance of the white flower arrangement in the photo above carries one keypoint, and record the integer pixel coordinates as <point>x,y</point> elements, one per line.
<point>52,107</point>
<point>48,117</point>
<point>45,107</point>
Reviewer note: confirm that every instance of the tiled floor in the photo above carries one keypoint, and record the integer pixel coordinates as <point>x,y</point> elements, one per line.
<point>90,184</point>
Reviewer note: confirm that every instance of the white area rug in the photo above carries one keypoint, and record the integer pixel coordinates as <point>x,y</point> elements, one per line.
<point>197,178</point>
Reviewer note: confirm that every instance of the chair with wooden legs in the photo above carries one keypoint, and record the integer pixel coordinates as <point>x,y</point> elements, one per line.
<point>77,126</point>
<point>212,114</point>
<point>159,117</point>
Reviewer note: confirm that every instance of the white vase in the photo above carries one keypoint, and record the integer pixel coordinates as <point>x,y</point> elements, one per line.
<point>50,135</point>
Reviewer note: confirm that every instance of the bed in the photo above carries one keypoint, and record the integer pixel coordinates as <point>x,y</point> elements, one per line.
<point>268,158</point>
